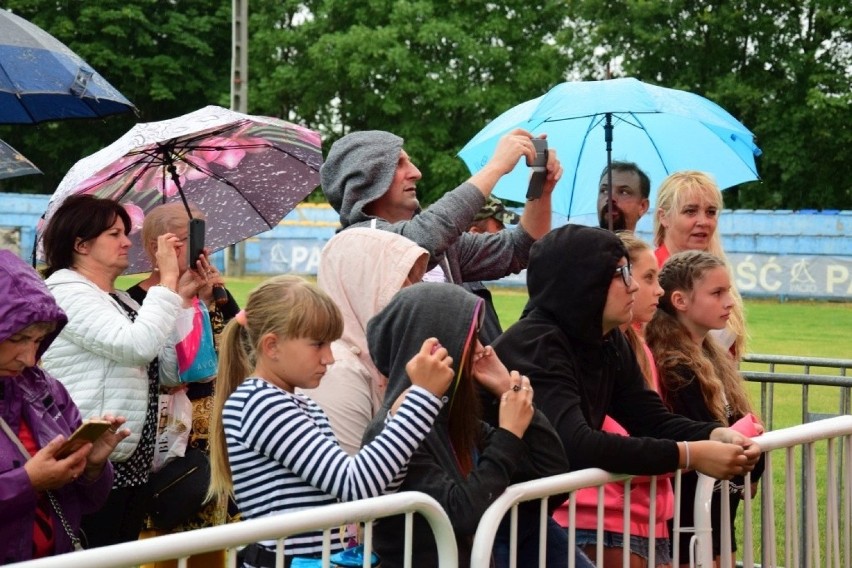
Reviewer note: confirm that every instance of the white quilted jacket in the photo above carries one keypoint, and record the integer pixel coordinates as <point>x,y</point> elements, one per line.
<point>101,357</point>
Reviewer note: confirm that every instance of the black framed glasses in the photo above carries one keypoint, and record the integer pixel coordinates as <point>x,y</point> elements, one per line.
<point>626,274</point>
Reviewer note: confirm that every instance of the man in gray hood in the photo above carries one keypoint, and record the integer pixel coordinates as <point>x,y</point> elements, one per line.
<point>370,181</point>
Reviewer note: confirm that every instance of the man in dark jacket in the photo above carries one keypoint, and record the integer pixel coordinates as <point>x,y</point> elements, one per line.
<point>370,181</point>
<point>582,368</point>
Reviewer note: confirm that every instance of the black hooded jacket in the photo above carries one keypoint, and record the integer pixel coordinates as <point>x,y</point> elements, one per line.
<point>578,374</point>
<point>395,335</point>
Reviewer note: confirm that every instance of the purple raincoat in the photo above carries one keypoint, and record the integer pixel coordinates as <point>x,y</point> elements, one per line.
<point>48,409</point>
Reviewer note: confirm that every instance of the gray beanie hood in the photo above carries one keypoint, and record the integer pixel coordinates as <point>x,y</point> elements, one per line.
<point>358,170</point>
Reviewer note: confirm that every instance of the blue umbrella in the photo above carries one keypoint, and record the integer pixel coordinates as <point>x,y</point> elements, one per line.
<point>13,163</point>
<point>41,79</point>
<point>662,130</point>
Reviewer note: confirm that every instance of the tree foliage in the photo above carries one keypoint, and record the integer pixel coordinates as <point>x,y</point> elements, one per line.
<point>435,72</point>
<point>783,68</point>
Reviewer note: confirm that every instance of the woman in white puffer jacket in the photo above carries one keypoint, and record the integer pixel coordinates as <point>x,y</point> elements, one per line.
<point>107,355</point>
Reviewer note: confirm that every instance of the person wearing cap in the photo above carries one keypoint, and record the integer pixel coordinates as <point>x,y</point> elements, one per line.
<point>492,218</point>
<point>370,181</point>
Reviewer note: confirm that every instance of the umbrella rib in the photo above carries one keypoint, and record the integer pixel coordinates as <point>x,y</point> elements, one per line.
<point>594,119</point>
<point>651,140</point>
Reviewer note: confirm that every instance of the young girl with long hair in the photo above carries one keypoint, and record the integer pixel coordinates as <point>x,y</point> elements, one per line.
<point>645,274</point>
<point>699,377</point>
<point>463,463</point>
<point>273,449</point>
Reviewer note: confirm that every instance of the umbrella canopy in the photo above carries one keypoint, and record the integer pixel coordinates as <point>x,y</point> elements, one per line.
<point>661,130</point>
<point>41,79</point>
<point>13,164</point>
<point>244,172</point>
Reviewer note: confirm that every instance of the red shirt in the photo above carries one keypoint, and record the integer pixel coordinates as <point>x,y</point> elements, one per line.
<point>43,535</point>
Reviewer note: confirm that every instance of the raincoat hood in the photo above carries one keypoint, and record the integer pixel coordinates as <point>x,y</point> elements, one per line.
<point>358,170</point>
<point>361,269</point>
<point>26,300</point>
<point>415,314</point>
<point>569,275</point>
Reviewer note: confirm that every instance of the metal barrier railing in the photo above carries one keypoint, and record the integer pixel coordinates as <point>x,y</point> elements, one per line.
<point>804,377</point>
<point>801,540</point>
<point>803,435</point>
<point>182,545</point>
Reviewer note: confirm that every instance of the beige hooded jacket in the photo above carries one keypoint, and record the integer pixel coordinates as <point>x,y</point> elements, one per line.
<point>361,269</point>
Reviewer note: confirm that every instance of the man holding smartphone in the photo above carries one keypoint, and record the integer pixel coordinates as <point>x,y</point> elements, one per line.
<point>370,180</point>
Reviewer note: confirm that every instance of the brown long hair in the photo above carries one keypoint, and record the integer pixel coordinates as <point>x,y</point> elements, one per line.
<point>289,307</point>
<point>635,246</point>
<point>669,340</point>
<point>465,411</point>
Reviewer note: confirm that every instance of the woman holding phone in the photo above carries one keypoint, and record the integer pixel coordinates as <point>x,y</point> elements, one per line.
<point>38,487</point>
<point>108,354</point>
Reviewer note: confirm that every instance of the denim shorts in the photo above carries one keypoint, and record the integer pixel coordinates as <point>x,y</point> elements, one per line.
<point>638,544</point>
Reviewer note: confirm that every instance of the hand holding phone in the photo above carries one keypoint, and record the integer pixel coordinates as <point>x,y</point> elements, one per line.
<point>538,167</point>
<point>196,241</point>
<point>89,431</point>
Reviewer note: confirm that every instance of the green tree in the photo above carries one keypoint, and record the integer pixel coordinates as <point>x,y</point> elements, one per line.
<point>168,58</point>
<point>432,72</point>
<point>781,67</point>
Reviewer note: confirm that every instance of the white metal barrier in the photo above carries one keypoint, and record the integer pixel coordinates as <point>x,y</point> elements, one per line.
<point>837,500</point>
<point>183,545</point>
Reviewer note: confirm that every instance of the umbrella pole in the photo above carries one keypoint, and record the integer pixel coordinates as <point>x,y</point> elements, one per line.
<point>608,139</point>
<point>170,166</point>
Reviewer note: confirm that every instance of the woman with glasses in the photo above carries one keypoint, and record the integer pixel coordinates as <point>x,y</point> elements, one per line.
<point>583,369</point>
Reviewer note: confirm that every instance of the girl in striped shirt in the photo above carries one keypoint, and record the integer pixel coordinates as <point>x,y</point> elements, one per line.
<point>274,450</point>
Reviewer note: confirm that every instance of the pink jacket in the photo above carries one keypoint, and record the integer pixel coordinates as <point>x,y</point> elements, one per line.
<point>640,495</point>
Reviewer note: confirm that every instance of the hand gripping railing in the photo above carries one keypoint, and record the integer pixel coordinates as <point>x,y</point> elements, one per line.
<point>805,434</point>
<point>183,545</point>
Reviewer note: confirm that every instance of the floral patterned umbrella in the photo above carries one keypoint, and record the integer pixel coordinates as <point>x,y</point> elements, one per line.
<point>244,172</point>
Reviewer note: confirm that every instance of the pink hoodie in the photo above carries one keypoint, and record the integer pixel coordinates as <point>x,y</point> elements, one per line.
<point>640,495</point>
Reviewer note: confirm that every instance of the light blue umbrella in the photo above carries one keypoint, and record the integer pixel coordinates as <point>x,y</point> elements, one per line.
<point>661,130</point>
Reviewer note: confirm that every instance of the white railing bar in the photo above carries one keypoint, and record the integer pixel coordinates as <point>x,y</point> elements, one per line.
<point>536,489</point>
<point>748,519</point>
<point>767,532</point>
<point>725,528</point>
<point>229,536</point>
<point>676,526</point>
<point>703,537</point>
<point>832,530</point>
<point>792,528</point>
<point>625,542</point>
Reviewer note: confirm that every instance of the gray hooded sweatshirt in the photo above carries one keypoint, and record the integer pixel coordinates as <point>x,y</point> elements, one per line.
<point>359,169</point>
<point>395,335</point>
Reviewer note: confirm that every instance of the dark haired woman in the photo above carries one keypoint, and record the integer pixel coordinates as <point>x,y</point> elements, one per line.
<point>107,355</point>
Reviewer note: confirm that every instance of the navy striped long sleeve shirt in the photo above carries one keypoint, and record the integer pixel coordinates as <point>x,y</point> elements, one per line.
<point>284,457</point>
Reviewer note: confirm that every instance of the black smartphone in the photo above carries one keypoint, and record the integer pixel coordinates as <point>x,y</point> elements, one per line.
<point>196,241</point>
<point>89,431</point>
<point>538,167</point>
